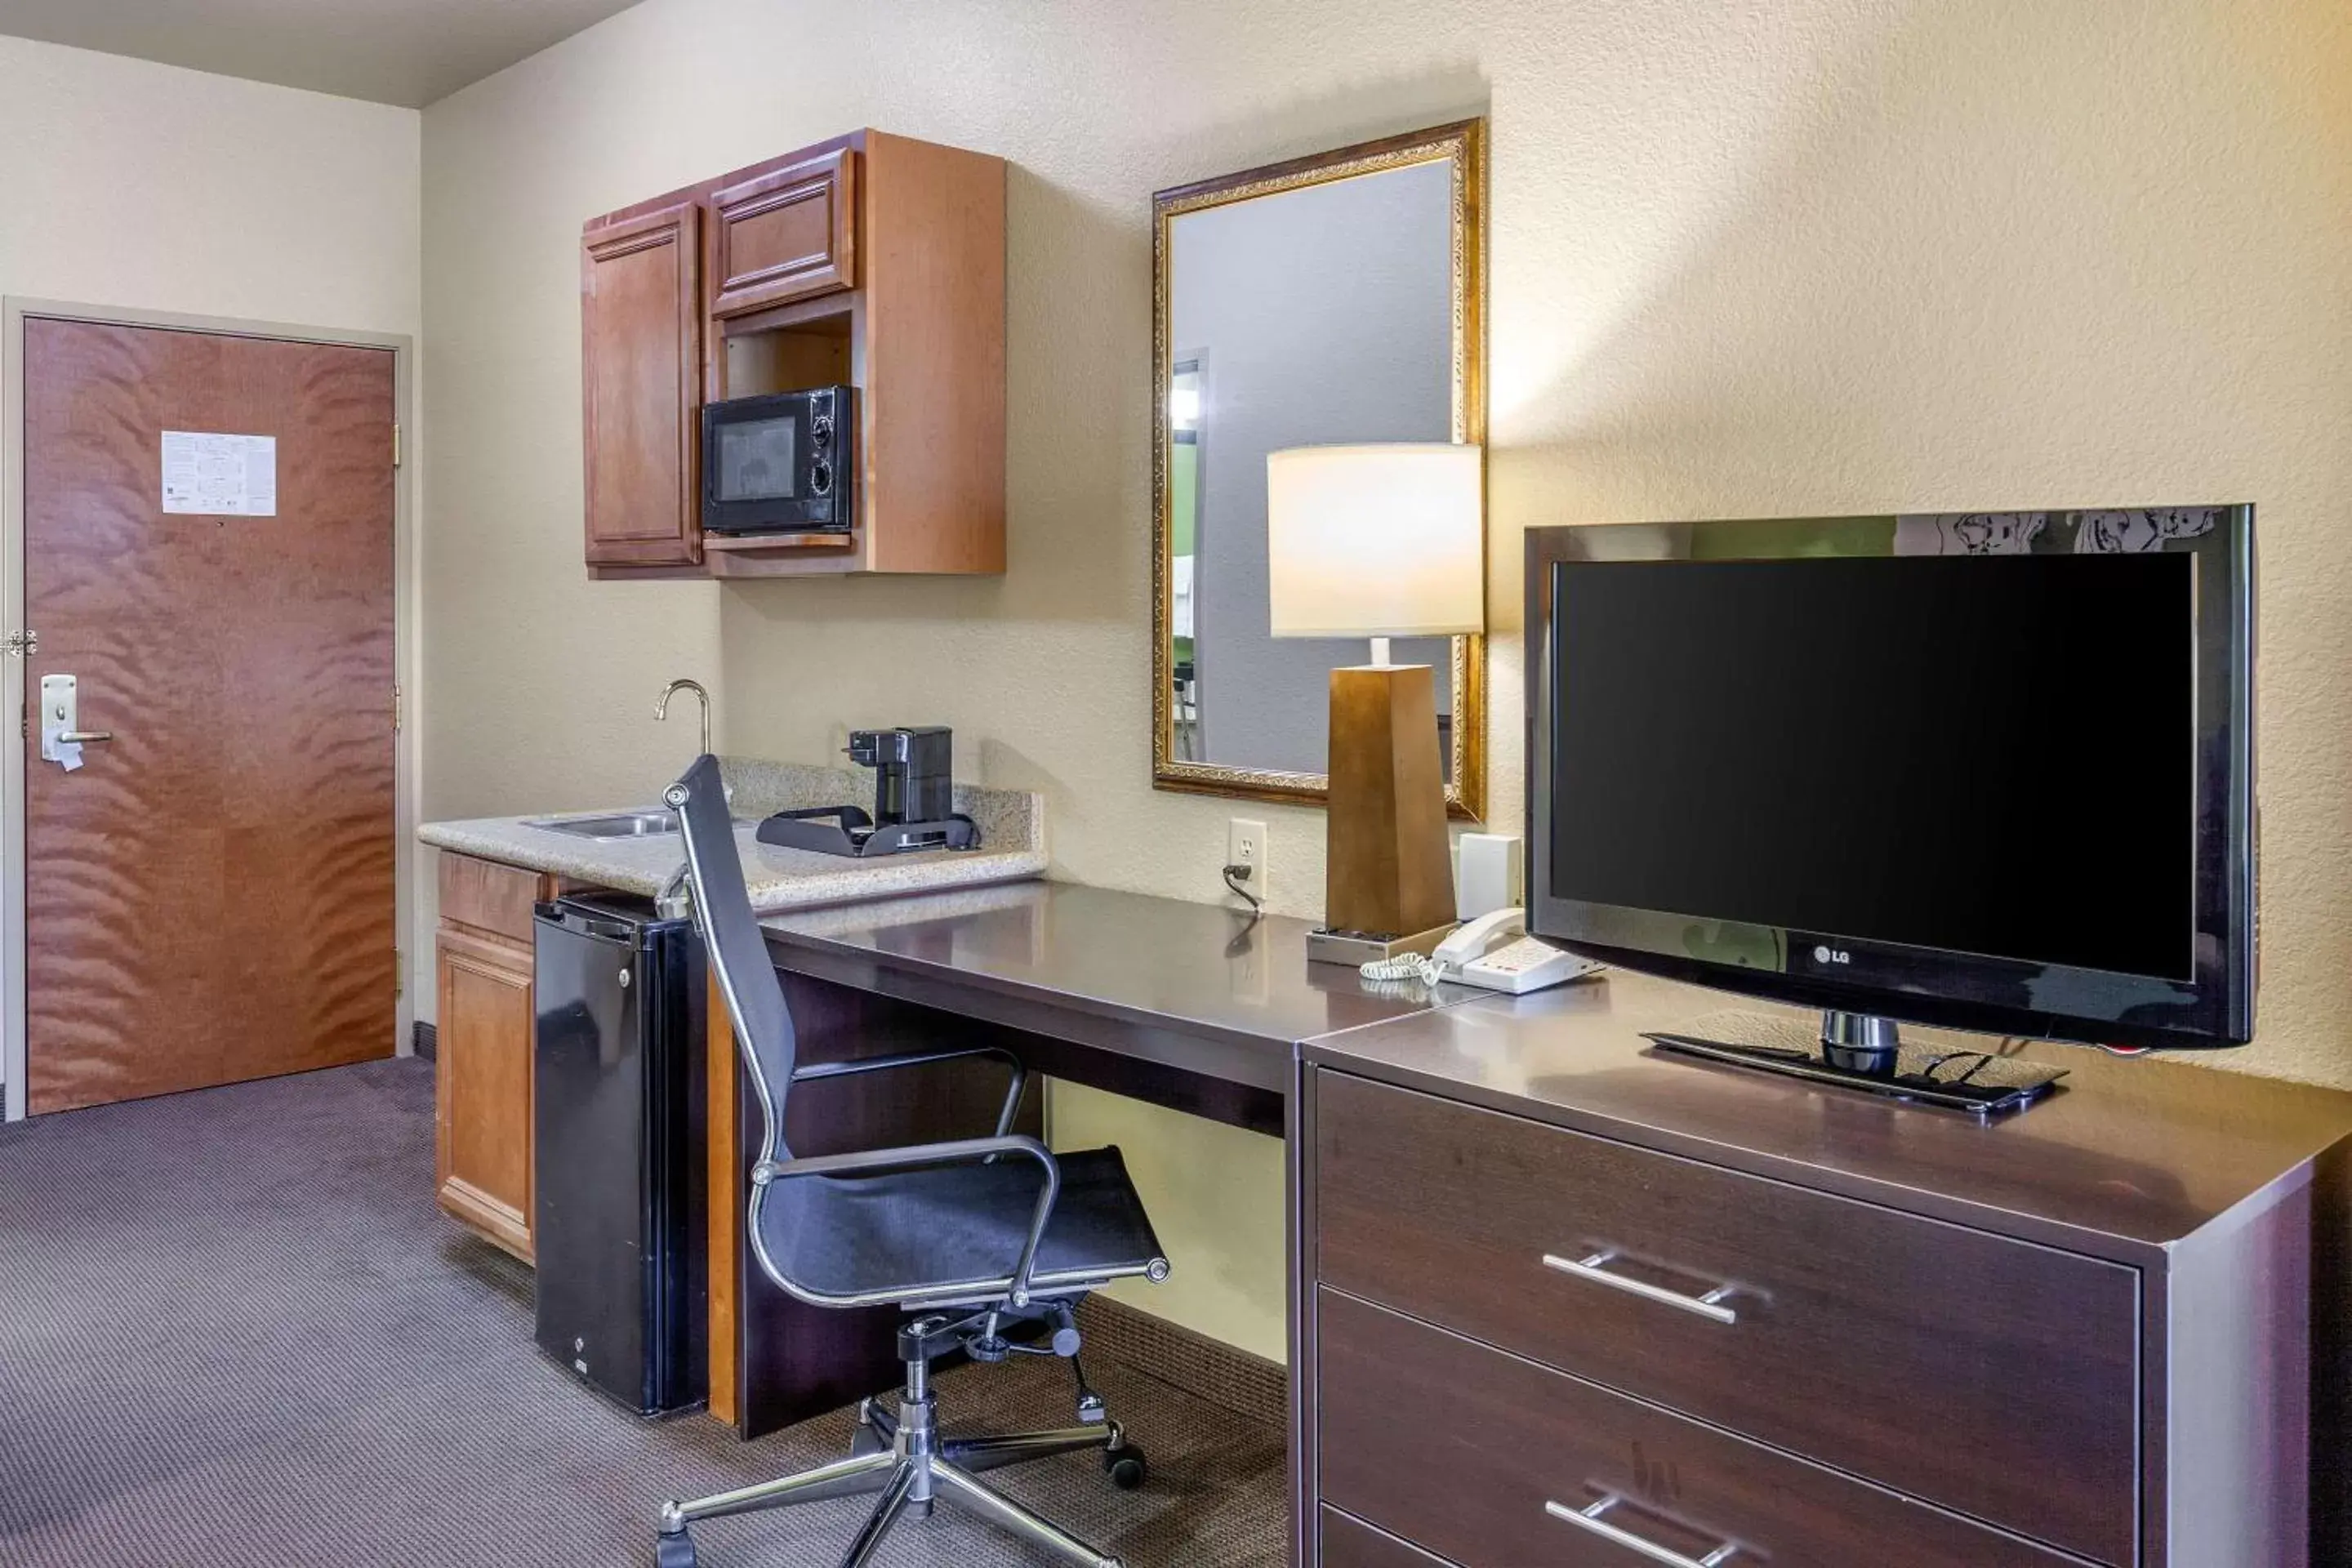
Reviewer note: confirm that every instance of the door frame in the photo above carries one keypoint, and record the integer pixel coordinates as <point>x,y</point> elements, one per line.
<point>15,311</point>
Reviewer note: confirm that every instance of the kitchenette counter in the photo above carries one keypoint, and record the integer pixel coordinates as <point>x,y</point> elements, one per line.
<point>1011,842</point>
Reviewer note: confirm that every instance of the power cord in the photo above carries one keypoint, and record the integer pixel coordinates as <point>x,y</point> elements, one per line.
<point>2013,1044</point>
<point>1235,875</point>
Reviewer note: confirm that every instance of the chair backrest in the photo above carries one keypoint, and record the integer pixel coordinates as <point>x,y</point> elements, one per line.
<point>739,953</point>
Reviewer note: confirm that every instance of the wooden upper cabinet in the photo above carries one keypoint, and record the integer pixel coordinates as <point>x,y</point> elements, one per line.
<point>784,236</point>
<point>641,309</point>
<point>871,260</point>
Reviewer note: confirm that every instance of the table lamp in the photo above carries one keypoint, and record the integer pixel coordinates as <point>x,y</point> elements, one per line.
<point>1380,542</point>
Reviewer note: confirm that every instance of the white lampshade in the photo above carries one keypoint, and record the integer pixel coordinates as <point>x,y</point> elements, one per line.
<point>1376,541</point>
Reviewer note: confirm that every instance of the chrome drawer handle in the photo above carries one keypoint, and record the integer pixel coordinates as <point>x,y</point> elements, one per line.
<point>1589,1519</point>
<point>1595,1267</point>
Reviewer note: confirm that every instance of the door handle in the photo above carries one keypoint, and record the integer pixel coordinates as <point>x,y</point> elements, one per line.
<point>61,721</point>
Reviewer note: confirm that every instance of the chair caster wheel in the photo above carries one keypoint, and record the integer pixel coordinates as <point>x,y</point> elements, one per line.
<point>1125,1463</point>
<point>862,1440</point>
<point>674,1551</point>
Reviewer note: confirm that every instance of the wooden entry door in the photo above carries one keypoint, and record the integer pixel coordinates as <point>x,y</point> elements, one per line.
<point>209,898</point>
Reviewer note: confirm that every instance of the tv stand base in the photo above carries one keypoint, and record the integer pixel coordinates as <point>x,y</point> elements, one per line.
<point>1857,1052</point>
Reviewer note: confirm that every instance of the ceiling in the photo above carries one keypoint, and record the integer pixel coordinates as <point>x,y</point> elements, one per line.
<point>406,52</point>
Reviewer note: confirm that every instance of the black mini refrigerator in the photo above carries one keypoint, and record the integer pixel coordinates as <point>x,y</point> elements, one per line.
<point>617,1108</point>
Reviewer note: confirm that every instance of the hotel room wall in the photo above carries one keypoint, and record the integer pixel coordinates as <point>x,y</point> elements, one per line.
<point>129,185</point>
<point>1809,256</point>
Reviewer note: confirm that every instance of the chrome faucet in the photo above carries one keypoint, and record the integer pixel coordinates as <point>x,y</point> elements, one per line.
<point>661,708</point>
<point>672,902</point>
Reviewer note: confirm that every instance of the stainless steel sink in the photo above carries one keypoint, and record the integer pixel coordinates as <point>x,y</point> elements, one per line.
<point>620,825</point>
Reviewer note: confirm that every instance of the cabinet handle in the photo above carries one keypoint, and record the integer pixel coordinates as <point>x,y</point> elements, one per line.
<point>1595,1267</point>
<point>1589,1518</point>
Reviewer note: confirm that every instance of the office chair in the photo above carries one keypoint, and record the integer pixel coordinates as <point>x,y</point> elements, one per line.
<point>971,1238</point>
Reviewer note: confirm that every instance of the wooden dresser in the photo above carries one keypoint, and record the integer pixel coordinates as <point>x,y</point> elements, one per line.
<point>1562,1301</point>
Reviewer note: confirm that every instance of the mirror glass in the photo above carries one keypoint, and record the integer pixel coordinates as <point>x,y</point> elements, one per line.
<point>1320,302</point>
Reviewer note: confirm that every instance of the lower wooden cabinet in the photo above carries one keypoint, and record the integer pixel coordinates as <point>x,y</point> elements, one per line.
<point>483,1033</point>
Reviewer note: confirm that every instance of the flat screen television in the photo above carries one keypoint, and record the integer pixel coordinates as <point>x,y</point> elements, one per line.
<point>1987,771</point>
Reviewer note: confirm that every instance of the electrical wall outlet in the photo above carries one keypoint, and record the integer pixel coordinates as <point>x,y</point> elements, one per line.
<point>1245,845</point>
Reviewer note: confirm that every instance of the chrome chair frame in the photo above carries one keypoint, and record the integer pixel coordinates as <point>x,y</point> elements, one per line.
<point>901,1457</point>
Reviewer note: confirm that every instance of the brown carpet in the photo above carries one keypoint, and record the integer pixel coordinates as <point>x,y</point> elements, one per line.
<point>234,1329</point>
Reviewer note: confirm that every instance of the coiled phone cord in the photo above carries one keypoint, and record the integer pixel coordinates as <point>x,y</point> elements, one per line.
<point>1405,966</point>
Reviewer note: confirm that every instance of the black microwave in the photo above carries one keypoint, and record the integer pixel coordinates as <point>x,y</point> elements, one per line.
<point>778,464</point>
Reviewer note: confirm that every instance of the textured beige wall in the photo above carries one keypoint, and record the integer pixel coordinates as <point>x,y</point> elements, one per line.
<point>129,185</point>
<point>1828,255</point>
<point>144,186</point>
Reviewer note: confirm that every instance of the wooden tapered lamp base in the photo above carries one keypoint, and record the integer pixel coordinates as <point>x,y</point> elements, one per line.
<point>1387,872</point>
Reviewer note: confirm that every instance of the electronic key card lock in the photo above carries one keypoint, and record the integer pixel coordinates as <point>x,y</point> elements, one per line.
<point>62,736</point>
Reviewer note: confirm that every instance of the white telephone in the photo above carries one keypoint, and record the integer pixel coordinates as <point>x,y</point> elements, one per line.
<point>1484,954</point>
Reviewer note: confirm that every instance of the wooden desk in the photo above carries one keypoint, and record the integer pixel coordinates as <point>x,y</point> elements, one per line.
<point>1191,1006</point>
<point>2112,1329</point>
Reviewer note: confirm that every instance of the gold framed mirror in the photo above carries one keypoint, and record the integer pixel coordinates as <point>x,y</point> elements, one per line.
<point>1330,300</point>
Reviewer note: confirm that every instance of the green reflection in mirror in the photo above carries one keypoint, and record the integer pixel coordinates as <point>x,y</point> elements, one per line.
<point>1184,418</point>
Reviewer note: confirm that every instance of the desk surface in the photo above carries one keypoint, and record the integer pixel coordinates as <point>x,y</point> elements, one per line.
<point>2126,1155</point>
<point>1192,986</point>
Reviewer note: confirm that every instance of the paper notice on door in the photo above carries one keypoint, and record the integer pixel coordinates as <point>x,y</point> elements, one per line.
<point>211,475</point>
<point>65,753</point>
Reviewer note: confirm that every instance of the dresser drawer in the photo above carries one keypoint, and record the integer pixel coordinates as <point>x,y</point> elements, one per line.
<point>1349,1543</point>
<point>1871,1340</point>
<point>1497,1450</point>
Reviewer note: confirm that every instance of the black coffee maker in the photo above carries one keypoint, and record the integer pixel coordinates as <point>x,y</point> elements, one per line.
<point>914,800</point>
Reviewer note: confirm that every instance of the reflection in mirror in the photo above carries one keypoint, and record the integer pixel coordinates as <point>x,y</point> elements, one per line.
<point>1183,547</point>
<point>1329,312</point>
<point>1331,301</point>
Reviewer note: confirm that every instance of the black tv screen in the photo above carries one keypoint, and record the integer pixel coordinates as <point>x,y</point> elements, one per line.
<point>1991,757</point>
<point>1987,770</point>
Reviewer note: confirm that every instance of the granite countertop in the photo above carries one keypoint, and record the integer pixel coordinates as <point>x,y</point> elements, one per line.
<point>1011,842</point>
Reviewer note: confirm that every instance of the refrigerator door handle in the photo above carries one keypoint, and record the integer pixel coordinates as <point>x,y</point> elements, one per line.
<point>588,925</point>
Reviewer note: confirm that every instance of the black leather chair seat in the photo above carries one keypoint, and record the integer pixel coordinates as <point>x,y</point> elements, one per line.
<point>922,1233</point>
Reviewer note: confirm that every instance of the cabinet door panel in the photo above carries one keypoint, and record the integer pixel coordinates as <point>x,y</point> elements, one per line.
<point>641,337</point>
<point>482,1087</point>
<point>784,236</point>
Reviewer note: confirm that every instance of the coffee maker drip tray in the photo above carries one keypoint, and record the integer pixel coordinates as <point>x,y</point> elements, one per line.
<point>848,830</point>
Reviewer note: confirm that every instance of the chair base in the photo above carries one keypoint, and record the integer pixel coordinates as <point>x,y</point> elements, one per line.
<point>903,1458</point>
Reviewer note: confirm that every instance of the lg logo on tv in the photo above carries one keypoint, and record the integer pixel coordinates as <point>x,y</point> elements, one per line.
<point>1831,956</point>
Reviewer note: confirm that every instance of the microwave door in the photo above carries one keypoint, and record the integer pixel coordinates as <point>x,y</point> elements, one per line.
<point>777,463</point>
<point>756,460</point>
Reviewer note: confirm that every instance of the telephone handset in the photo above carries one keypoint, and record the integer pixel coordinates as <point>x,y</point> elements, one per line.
<point>1493,951</point>
<point>1477,938</point>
